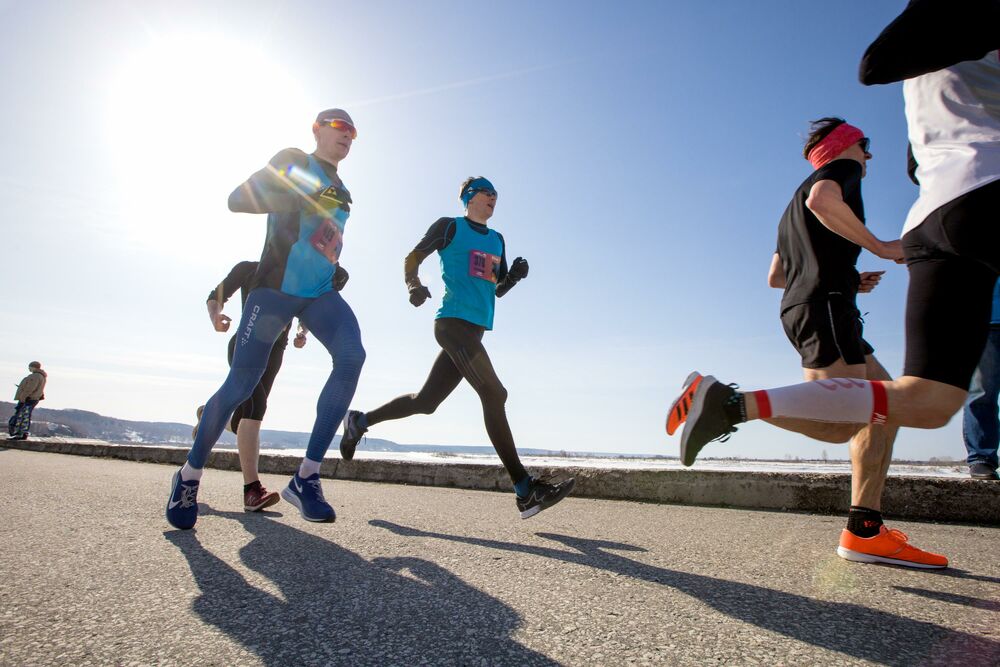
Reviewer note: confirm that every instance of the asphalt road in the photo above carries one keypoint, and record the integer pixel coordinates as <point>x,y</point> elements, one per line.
<point>91,573</point>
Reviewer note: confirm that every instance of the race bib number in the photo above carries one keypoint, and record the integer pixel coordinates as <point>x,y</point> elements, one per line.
<point>483,265</point>
<point>328,240</point>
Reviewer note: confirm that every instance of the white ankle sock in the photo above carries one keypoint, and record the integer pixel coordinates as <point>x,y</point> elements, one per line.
<point>308,468</point>
<point>188,473</point>
<point>846,400</point>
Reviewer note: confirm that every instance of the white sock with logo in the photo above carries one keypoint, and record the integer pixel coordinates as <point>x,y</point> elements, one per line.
<point>188,473</point>
<point>843,400</point>
<point>308,468</point>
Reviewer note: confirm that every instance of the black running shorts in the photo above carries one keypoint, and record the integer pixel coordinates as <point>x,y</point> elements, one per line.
<point>256,405</point>
<point>825,330</point>
<point>954,259</point>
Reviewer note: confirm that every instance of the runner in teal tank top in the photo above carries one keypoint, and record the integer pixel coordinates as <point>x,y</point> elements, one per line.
<point>470,267</point>
<point>475,272</point>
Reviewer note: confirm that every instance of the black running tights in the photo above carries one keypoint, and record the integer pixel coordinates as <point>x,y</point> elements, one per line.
<point>462,356</point>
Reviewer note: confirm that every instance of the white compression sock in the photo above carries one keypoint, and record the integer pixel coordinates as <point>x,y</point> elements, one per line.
<point>188,473</point>
<point>847,400</point>
<point>308,468</point>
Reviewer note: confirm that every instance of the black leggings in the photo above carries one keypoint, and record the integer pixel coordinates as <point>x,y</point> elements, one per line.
<point>462,356</point>
<point>255,406</point>
<point>953,258</point>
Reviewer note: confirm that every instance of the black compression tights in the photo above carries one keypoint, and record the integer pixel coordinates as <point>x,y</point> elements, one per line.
<point>462,356</point>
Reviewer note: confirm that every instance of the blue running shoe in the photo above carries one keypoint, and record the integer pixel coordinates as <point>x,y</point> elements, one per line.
<point>182,506</point>
<point>307,495</point>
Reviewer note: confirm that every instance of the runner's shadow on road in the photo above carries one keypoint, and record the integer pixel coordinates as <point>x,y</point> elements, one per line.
<point>952,598</point>
<point>334,607</point>
<point>858,631</point>
<point>955,573</point>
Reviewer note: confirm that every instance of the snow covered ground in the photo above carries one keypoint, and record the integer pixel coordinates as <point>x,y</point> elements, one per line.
<point>956,469</point>
<point>844,467</point>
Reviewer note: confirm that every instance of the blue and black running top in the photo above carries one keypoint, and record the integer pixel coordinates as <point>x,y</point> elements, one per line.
<point>473,266</point>
<point>470,267</point>
<point>307,208</point>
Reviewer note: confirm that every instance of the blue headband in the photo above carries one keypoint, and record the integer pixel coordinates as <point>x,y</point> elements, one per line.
<point>477,185</point>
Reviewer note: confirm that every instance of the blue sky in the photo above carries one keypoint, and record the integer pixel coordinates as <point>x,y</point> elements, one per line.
<point>644,153</point>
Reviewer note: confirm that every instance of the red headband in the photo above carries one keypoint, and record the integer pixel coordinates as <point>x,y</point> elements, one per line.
<point>833,144</point>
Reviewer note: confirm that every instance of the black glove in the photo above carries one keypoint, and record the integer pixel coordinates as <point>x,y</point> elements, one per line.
<point>518,269</point>
<point>419,294</point>
<point>340,278</point>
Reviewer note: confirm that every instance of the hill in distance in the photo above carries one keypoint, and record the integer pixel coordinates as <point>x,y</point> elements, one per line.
<point>70,423</point>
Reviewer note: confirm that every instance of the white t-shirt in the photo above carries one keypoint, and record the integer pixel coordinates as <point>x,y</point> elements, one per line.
<point>953,116</point>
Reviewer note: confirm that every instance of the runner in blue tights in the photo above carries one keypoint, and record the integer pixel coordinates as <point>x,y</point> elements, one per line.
<point>307,207</point>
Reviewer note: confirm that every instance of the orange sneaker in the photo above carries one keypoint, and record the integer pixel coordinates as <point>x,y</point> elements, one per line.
<point>679,410</point>
<point>889,546</point>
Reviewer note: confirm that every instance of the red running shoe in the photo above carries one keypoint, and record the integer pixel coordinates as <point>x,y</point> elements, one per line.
<point>257,498</point>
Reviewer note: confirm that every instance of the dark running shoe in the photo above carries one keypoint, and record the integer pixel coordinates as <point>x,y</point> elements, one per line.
<point>713,415</point>
<point>307,495</point>
<point>352,434</point>
<point>182,505</point>
<point>543,495</point>
<point>980,470</point>
<point>257,498</point>
<point>199,412</point>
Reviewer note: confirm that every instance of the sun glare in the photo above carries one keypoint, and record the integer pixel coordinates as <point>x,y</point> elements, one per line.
<point>189,117</point>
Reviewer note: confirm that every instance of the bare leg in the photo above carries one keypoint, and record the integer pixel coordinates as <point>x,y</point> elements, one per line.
<point>871,452</point>
<point>921,403</point>
<point>871,445</point>
<point>248,443</point>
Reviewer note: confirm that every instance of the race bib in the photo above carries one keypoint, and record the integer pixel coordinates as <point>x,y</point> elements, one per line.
<point>328,240</point>
<point>483,265</point>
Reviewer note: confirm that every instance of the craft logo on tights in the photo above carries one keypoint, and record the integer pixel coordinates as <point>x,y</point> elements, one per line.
<point>250,323</point>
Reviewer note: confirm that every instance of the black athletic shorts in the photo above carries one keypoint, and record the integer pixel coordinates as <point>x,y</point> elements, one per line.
<point>256,405</point>
<point>954,259</point>
<point>825,330</point>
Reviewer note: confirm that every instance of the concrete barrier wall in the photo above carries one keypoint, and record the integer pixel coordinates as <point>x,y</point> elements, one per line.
<point>910,498</point>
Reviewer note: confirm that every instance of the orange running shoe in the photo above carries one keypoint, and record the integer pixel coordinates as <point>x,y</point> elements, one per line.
<point>678,412</point>
<point>889,546</point>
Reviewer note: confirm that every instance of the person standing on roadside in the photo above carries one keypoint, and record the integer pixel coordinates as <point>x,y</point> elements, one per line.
<point>30,391</point>
<point>980,417</point>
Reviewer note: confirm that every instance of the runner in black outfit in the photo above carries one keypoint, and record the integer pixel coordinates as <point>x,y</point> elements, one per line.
<point>474,268</point>
<point>820,237</point>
